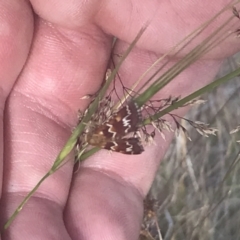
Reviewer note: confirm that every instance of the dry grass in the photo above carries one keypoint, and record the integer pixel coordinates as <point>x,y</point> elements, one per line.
<point>198,183</point>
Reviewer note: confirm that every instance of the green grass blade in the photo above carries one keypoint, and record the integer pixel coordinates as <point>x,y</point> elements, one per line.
<point>192,96</point>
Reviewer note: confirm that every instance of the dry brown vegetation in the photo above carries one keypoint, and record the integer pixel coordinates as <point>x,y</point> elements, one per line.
<point>197,187</point>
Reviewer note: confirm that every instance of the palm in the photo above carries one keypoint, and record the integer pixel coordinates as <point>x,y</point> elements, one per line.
<point>69,53</point>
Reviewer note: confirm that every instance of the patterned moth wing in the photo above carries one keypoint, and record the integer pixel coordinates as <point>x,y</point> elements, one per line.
<point>110,134</point>
<point>130,145</point>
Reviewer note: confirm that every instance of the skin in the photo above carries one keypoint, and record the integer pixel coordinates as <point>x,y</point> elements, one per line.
<point>52,53</point>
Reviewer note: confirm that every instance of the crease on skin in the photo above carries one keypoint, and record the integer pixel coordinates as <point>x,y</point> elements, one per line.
<point>98,9</point>
<point>58,33</point>
<point>37,195</point>
<point>69,37</point>
<point>3,97</point>
<point>177,14</point>
<point>130,15</point>
<point>40,192</point>
<point>12,200</point>
<point>41,109</point>
<point>43,191</point>
<point>116,177</point>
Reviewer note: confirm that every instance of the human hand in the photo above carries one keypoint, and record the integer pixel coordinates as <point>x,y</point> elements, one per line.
<point>48,62</point>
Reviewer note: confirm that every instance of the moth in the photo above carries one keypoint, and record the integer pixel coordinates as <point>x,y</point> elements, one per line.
<point>112,134</point>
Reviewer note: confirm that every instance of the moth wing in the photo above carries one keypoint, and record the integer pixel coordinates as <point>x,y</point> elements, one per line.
<point>130,146</point>
<point>126,120</point>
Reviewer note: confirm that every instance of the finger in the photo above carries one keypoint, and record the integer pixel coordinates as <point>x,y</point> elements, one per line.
<point>170,21</point>
<point>15,39</point>
<point>62,67</point>
<point>103,206</point>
